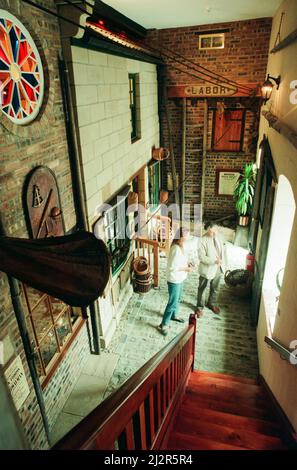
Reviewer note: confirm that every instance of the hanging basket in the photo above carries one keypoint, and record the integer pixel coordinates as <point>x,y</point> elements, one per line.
<point>132,198</point>
<point>163,196</point>
<point>161,153</point>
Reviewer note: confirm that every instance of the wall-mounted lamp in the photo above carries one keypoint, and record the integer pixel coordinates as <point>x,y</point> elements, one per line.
<point>267,87</point>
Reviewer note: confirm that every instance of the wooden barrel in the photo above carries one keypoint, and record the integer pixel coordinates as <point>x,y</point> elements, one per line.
<point>142,275</point>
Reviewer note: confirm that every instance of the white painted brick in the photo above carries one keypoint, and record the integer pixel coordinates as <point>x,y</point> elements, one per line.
<point>93,202</point>
<point>116,62</point>
<point>101,146</point>
<point>116,124</point>
<point>80,55</point>
<point>95,75</point>
<point>89,133</point>
<point>124,107</point>
<point>97,58</point>
<point>109,75</point>
<point>80,73</point>
<point>121,77</point>
<point>91,187</point>
<point>86,94</point>
<point>97,112</point>
<point>117,92</point>
<point>106,127</point>
<point>133,66</point>
<point>83,115</point>
<point>111,108</point>
<point>87,152</point>
<point>104,177</point>
<point>114,140</point>
<point>104,93</point>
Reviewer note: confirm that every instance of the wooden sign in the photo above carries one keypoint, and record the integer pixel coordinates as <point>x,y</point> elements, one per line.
<point>17,382</point>
<point>43,204</point>
<point>226,181</point>
<point>208,91</point>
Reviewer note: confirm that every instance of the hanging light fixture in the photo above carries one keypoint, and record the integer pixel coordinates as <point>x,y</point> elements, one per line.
<point>267,87</point>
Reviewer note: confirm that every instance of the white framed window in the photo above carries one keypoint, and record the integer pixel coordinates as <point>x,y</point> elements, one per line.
<point>212,41</point>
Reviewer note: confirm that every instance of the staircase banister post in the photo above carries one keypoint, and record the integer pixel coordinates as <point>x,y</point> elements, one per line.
<point>193,321</point>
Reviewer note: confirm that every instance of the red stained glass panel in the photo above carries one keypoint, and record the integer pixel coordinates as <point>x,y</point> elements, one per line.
<point>21,73</point>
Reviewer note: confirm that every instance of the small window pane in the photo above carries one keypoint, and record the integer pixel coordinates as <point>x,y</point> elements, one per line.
<point>57,307</point>
<point>217,41</point>
<point>63,328</point>
<point>206,42</point>
<point>42,319</point>
<point>33,296</point>
<point>48,348</point>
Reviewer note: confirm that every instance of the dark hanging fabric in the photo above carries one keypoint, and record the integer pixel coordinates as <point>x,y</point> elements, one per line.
<point>73,268</point>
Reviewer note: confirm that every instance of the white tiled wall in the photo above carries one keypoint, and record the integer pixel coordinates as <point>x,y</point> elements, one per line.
<point>102,100</point>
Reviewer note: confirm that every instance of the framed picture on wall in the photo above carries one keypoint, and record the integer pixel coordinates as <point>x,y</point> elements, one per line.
<point>226,180</point>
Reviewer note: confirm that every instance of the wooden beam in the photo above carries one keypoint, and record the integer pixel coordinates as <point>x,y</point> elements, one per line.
<point>101,9</point>
<point>171,147</point>
<point>285,42</point>
<point>204,156</point>
<point>184,137</point>
<point>281,127</point>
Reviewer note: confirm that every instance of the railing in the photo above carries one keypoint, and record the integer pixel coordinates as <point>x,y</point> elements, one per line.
<point>283,352</point>
<point>150,250</point>
<point>138,415</point>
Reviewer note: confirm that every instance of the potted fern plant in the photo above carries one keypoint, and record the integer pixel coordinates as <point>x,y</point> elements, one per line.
<point>244,192</point>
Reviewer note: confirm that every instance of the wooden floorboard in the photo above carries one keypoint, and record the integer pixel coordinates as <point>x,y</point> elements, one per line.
<point>227,434</point>
<point>239,422</point>
<point>231,378</point>
<point>181,441</point>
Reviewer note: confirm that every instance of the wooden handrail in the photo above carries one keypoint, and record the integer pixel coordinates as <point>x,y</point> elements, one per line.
<point>144,244</point>
<point>283,352</point>
<point>138,414</point>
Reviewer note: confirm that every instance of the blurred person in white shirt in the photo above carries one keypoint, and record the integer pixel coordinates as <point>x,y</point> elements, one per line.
<point>178,268</point>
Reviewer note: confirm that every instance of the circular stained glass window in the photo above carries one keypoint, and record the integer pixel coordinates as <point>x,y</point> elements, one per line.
<point>21,73</point>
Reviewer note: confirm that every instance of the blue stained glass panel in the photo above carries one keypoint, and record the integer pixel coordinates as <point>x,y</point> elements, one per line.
<point>15,102</point>
<point>14,43</point>
<point>3,65</point>
<point>30,78</point>
<point>2,22</point>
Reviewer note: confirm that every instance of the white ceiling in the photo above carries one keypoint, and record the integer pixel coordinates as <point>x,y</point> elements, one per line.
<point>172,13</point>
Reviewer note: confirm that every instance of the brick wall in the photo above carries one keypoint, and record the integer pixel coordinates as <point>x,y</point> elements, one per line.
<point>243,59</point>
<point>59,388</point>
<point>42,142</point>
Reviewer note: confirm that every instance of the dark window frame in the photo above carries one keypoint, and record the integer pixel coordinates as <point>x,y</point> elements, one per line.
<point>154,189</point>
<point>116,221</point>
<point>134,103</point>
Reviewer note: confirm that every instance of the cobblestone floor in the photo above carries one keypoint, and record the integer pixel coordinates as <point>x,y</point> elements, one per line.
<point>225,343</point>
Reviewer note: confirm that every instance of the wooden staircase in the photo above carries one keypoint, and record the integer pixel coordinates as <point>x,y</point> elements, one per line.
<point>166,405</point>
<point>222,412</point>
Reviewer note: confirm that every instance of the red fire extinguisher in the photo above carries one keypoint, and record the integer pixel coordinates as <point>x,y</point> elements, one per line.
<point>250,261</point>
